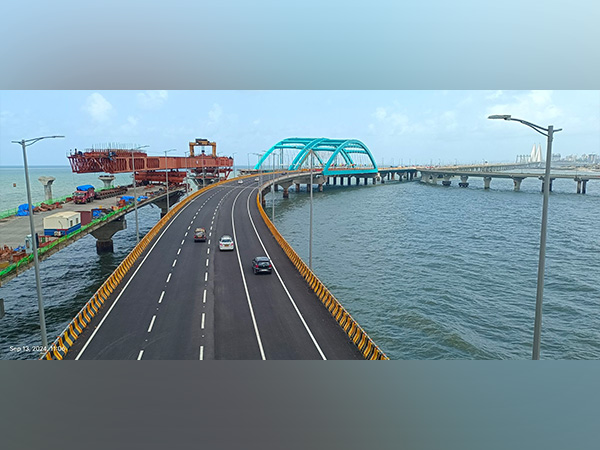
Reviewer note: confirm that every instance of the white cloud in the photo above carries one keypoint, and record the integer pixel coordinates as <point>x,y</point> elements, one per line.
<point>215,113</point>
<point>152,99</point>
<point>493,95</point>
<point>98,107</point>
<point>130,125</point>
<point>533,106</point>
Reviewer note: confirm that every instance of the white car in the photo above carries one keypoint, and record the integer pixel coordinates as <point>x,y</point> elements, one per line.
<point>256,179</point>
<point>226,243</point>
<point>240,181</point>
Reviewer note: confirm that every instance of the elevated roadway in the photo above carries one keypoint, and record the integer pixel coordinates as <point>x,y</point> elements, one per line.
<point>188,300</point>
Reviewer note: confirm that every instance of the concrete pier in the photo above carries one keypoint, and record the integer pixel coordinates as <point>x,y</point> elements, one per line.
<point>542,180</point>
<point>103,235</point>
<point>47,183</point>
<point>517,183</point>
<point>581,185</point>
<point>107,180</point>
<point>463,181</point>
<point>446,181</point>
<point>486,182</point>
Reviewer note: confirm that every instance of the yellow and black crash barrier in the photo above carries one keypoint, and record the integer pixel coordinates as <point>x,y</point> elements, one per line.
<point>360,338</point>
<point>59,348</point>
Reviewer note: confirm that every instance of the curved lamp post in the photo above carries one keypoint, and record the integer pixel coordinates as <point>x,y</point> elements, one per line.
<point>137,226</point>
<point>24,144</point>
<point>548,132</point>
<point>167,174</point>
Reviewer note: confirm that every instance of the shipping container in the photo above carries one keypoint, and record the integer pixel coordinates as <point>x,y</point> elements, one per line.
<point>61,223</point>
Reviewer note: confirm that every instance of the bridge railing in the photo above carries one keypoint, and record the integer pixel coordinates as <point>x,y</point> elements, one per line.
<point>365,344</point>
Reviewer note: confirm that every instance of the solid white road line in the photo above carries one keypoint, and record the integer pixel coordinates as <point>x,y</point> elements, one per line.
<point>151,323</point>
<point>129,281</point>
<point>140,355</point>
<point>260,346</point>
<point>161,297</point>
<point>282,283</point>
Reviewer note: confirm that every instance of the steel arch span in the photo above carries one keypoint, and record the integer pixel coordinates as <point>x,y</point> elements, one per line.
<point>333,156</point>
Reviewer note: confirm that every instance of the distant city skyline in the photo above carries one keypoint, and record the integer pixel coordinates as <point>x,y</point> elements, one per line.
<point>398,126</point>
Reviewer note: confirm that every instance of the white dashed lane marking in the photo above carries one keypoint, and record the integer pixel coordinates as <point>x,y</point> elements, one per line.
<point>161,297</point>
<point>151,323</point>
<point>140,355</point>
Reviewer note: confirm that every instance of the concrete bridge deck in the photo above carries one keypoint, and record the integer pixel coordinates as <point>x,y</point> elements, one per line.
<point>188,300</point>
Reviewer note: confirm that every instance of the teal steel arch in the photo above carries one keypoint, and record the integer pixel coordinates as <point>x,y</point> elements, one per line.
<point>337,147</point>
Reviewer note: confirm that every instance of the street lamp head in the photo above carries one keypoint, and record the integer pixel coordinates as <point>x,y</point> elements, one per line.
<point>500,116</point>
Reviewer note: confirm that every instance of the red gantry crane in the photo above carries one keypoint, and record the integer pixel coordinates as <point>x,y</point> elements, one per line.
<point>152,169</point>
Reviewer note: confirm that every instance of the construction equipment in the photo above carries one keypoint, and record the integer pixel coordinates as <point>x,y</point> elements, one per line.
<point>152,169</point>
<point>203,143</point>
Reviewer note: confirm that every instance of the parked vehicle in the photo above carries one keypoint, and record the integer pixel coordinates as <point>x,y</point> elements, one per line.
<point>200,235</point>
<point>226,243</point>
<point>83,194</point>
<point>262,264</point>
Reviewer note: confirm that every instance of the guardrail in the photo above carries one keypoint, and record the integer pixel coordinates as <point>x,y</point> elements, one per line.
<point>360,338</point>
<point>59,348</point>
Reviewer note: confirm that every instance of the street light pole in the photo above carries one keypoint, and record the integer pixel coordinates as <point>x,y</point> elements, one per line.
<point>549,133</point>
<point>273,187</point>
<point>24,144</point>
<point>167,175</point>
<point>137,226</point>
<point>233,156</point>
<point>310,233</point>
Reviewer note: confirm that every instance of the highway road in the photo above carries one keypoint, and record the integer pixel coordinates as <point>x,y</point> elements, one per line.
<point>188,300</point>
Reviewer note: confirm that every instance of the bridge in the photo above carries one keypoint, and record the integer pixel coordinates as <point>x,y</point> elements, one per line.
<point>432,175</point>
<point>174,298</point>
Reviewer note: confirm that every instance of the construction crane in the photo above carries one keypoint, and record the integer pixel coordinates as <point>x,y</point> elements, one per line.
<point>203,143</point>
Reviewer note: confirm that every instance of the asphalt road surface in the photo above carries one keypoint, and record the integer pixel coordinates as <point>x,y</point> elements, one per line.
<point>188,300</point>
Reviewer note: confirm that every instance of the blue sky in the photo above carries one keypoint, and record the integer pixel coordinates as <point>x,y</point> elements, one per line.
<point>399,126</point>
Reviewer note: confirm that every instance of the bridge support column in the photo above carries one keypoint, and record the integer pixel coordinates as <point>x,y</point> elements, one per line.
<point>320,187</point>
<point>47,183</point>
<point>446,181</point>
<point>463,181</point>
<point>583,186</point>
<point>107,180</point>
<point>550,187</point>
<point>486,182</point>
<point>297,187</point>
<point>104,234</point>
<point>517,183</point>
<point>393,176</point>
<point>286,192</point>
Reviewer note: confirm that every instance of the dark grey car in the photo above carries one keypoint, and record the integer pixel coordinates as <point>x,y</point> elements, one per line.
<point>262,264</point>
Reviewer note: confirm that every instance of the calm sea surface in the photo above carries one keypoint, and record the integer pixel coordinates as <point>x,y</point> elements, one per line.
<point>430,272</point>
